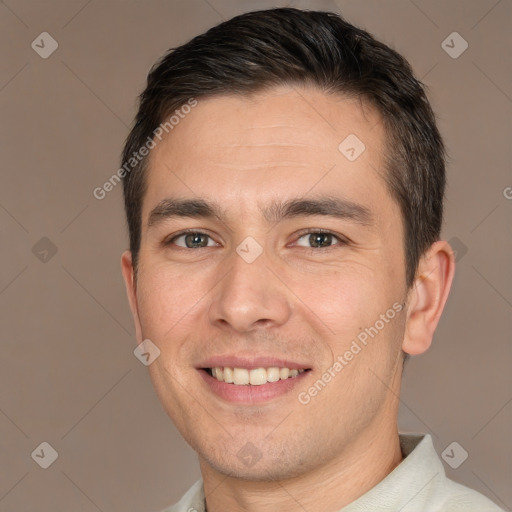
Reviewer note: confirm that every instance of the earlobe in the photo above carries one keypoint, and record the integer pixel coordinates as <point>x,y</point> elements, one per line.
<point>428,296</point>
<point>131,292</point>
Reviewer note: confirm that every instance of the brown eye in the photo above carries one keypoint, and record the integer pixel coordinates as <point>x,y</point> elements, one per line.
<point>318,240</point>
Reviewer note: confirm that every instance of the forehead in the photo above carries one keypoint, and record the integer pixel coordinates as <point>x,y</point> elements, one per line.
<point>286,140</point>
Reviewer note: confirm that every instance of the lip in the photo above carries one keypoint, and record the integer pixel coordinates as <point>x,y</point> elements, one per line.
<point>250,362</point>
<point>251,395</point>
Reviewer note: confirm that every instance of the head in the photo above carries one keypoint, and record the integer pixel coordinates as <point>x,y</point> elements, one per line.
<point>304,159</point>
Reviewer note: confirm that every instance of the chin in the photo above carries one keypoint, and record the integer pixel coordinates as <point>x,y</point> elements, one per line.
<point>266,469</point>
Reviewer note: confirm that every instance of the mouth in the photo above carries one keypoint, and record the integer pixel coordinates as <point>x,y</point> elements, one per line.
<point>253,376</point>
<point>241,379</point>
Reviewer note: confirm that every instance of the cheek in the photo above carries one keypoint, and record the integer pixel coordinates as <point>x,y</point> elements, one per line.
<point>168,300</point>
<point>344,300</point>
<point>345,306</point>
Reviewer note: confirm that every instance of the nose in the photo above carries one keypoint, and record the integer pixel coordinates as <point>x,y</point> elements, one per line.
<point>250,296</point>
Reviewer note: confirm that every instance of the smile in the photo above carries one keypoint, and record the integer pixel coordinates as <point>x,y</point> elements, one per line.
<point>252,377</point>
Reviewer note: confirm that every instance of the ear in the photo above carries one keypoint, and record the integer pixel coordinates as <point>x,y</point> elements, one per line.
<point>428,296</point>
<point>131,291</point>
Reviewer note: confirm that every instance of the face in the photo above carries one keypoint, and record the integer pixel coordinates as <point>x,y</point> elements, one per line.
<point>272,258</point>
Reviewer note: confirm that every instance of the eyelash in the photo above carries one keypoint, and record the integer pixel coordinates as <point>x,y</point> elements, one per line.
<point>341,240</point>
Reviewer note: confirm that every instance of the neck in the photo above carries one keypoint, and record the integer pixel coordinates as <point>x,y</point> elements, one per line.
<point>342,480</point>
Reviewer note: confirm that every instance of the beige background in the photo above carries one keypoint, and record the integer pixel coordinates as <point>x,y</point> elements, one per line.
<point>68,375</point>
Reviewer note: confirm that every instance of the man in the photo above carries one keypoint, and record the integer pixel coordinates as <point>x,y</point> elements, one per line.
<point>284,186</point>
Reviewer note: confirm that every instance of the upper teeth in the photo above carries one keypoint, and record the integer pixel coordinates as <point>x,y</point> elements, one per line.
<point>256,377</point>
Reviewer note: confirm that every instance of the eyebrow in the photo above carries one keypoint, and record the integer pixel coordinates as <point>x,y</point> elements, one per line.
<point>277,210</point>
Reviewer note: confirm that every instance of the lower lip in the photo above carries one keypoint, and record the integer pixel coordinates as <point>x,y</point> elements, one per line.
<point>249,394</point>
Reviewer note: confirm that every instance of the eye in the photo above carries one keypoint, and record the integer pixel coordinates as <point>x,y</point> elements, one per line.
<point>319,239</point>
<point>191,240</point>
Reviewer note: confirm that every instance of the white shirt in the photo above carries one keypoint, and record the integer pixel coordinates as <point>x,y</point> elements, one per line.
<point>417,484</point>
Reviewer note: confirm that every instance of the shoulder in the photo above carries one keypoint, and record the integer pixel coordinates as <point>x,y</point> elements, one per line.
<point>456,497</point>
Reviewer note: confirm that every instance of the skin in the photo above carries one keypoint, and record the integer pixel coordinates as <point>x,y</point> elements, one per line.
<point>294,302</point>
